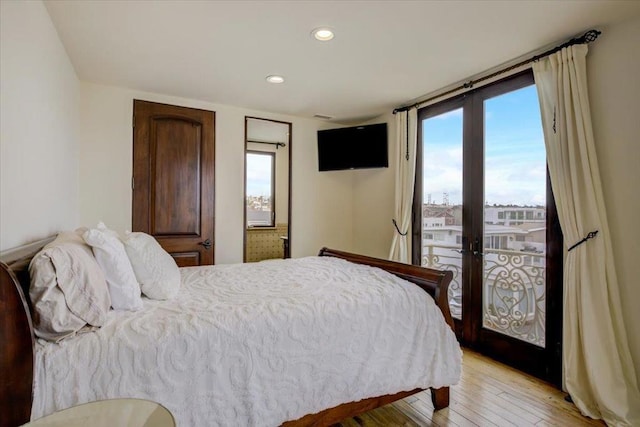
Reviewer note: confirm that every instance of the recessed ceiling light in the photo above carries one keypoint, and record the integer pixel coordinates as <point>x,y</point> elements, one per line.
<point>275,79</point>
<point>323,34</point>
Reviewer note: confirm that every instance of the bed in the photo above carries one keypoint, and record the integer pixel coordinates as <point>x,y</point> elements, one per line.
<point>304,391</point>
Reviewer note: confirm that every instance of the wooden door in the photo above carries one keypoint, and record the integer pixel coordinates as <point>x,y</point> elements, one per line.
<point>173,179</point>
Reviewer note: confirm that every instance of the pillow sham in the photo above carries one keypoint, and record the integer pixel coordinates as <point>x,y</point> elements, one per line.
<point>112,258</point>
<point>68,289</point>
<point>156,270</point>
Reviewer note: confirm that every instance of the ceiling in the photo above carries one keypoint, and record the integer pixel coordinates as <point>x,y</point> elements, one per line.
<point>384,54</point>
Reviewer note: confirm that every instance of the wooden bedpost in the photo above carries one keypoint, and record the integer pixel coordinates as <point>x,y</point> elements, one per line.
<point>440,397</point>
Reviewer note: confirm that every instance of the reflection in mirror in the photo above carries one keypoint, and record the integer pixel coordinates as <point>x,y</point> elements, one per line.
<point>261,188</point>
<point>267,189</point>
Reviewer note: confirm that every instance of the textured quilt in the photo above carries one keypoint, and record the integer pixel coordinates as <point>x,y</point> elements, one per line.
<point>258,344</point>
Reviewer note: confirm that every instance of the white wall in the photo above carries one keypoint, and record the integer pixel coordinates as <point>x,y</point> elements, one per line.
<point>374,199</point>
<point>613,66</point>
<point>38,123</point>
<point>322,213</point>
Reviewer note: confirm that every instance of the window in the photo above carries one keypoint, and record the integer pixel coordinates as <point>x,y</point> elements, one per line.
<point>500,215</point>
<point>260,189</point>
<point>496,242</point>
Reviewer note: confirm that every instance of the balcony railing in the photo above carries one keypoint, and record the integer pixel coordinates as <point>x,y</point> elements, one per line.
<point>513,292</point>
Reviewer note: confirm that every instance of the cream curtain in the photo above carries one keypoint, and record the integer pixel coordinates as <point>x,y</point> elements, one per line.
<point>598,370</point>
<point>406,140</point>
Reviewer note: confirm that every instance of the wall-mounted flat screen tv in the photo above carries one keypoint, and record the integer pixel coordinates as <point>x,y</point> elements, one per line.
<point>358,147</point>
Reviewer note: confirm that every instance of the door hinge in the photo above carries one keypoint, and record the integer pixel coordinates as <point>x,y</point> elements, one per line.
<point>133,121</point>
<point>133,183</point>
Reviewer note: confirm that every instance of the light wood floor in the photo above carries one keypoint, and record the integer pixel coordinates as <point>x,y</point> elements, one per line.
<point>489,394</point>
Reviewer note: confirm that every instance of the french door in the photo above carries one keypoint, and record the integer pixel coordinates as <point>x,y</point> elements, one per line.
<point>483,208</point>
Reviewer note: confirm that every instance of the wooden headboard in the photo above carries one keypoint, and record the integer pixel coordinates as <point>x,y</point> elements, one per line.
<point>17,336</point>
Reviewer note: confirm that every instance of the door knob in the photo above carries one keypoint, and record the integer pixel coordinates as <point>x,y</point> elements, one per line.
<point>206,244</point>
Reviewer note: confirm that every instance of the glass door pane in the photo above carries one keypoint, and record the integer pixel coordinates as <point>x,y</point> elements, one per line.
<point>514,217</point>
<point>442,199</point>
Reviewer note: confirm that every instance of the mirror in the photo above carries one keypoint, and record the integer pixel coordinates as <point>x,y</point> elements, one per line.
<point>267,189</point>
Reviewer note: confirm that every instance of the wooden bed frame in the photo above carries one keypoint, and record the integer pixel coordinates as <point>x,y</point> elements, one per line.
<point>17,336</point>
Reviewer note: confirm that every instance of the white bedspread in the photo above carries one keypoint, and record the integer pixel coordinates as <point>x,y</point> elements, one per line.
<point>257,345</point>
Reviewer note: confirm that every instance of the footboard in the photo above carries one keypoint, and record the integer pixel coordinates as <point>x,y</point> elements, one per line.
<point>434,282</point>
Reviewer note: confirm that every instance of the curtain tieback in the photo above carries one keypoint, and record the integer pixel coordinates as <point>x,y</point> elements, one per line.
<point>395,224</point>
<point>591,235</point>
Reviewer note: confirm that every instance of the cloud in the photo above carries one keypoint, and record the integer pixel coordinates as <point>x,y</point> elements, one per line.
<point>521,182</point>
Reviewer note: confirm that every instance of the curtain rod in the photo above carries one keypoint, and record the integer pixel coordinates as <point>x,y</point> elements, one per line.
<point>277,144</point>
<point>587,37</point>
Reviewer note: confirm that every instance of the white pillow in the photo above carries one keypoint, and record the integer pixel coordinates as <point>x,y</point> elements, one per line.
<point>112,258</point>
<point>68,289</point>
<point>155,269</point>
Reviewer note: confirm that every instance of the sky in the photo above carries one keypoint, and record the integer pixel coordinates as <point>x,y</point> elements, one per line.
<point>515,164</point>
